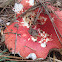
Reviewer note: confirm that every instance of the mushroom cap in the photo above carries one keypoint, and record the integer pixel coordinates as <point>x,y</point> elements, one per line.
<point>27,44</point>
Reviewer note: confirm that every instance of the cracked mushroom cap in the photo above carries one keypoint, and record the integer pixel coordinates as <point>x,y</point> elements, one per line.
<point>28,45</point>
<point>32,41</point>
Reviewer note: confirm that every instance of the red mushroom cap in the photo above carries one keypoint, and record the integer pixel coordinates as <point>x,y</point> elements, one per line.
<point>28,45</point>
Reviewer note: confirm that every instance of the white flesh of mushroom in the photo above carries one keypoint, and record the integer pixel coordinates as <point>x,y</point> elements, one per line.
<point>31,2</point>
<point>34,39</point>
<point>18,7</point>
<point>25,23</point>
<point>43,44</point>
<point>32,56</point>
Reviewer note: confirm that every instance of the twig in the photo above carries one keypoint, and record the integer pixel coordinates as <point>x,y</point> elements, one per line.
<point>19,60</point>
<point>38,13</point>
<point>15,44</point>
<point>11,33</point>
<point>5,6</point>
<point>4,15</point>
<point>30,48</point>
<point>55,59</point>
<point>15,39</point>
<point>12,57</point>
<point>6,28</point>
<point>53,56</point>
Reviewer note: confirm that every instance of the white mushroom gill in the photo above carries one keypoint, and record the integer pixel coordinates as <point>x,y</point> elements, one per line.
<point>18,7</point>
<point>32,56</point>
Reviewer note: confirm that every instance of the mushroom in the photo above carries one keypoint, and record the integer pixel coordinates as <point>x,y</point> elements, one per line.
<point>21,41</point>
<point>27,44</point>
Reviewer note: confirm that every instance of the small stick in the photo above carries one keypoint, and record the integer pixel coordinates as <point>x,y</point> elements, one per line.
<point>16,38</point>
<point>11,33</point>
<point>30,48</point>
<point>12,57</point>
<point>6,28</point>
<point>38,13</point>
<point>15,44</point>
<point>4,15</point>
<point>19,60</point>
<point>54,56</point>
<point>55,59</point>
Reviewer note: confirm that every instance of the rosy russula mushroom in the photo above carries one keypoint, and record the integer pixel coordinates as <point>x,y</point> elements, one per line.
<point>32,41</point>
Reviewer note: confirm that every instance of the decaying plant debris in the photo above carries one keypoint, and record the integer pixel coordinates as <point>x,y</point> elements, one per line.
<point>7,16</point>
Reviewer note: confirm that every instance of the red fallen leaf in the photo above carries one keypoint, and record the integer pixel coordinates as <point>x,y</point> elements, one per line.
<point>27,45</point>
